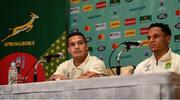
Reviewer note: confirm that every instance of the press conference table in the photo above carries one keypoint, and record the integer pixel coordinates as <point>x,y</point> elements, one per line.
<point>142,86</point>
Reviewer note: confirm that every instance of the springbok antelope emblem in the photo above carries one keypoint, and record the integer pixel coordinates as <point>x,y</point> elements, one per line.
<point>26,27</point>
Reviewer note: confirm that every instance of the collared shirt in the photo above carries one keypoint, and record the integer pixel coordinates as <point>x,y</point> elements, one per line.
<point>168,62</point>
<point>91,63</point>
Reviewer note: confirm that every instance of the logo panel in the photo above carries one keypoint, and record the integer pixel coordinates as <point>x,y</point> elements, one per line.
<point>74,1</point>
<point>74,10</point>
<point>115,35</point>
<point>130,33</point>
<point>101,26</point>
<point>144,30</point>
<point>101,5</point>
<point>87,8</point>
<point>115,24</point>
<point>130,21</point>
<point>144,19</point>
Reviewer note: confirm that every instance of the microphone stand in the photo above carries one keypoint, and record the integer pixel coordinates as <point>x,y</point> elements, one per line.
<point>35,69</point>
<point>118,68</point>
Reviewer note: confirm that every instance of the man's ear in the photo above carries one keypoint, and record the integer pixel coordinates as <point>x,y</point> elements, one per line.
<point>168,39</point>
<point>87,49</point>
<point>68,50</point>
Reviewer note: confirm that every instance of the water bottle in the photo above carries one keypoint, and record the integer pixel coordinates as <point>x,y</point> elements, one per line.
<point>12,74</point>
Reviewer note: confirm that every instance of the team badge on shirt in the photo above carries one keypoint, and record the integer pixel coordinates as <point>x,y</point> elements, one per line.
<point>147,68</point>
<point>167,65</point>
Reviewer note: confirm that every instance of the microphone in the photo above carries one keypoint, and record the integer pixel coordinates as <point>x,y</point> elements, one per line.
<point>138,43</point>
<point>58,55</point>
<point>128,46</point>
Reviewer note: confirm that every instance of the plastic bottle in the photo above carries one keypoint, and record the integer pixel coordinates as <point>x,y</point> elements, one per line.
<point>12,74</point>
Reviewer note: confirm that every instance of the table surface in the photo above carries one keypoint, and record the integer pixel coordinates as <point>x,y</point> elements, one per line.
<point>140,86</point>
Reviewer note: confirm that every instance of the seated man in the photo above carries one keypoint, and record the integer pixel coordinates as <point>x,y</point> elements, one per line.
<point>163,59</point>
<point>82,64</point>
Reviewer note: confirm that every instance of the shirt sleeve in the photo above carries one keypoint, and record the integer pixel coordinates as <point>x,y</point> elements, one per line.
<point>138,69</point>
<point>177,60</point>
<point>62,69</point>
<point>98,66</point>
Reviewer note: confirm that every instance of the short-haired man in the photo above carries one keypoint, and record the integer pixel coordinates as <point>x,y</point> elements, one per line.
<point>82,65</point>
<point>163,59</point>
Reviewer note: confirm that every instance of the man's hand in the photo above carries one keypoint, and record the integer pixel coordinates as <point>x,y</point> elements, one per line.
<point>89,74</point>
<point>57,77</point>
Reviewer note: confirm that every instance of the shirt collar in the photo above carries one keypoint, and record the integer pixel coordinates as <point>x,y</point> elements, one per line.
<point>165,57</point>
<point>84,62</point>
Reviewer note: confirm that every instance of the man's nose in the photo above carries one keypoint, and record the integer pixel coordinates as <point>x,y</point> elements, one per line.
<point>76,45</point>
<point>151,40</point>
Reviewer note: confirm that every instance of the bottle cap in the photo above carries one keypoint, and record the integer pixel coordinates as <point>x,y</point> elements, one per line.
<point>13,64</point>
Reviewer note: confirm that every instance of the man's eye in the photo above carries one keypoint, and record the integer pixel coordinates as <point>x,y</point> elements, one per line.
<point>80,42</point>
<point>71,44</point>
<point>148,37</point>
<point>156,36</point>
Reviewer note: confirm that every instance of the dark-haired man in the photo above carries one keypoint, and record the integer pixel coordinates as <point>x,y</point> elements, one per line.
<point>163,59</point>
<point>82,64</point>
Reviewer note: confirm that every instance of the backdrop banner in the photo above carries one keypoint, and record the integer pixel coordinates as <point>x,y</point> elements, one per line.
<point>107,23</point>
<point>29,30</point>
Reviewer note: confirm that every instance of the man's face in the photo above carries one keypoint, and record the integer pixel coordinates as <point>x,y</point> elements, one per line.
<point>158,41</point>
<point>77,46</point>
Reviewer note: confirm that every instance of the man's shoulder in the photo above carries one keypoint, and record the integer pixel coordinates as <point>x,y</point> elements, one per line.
<point>66,62</point>
<point>95,58</point>
<point>145,61</point>
<point>176,55</point>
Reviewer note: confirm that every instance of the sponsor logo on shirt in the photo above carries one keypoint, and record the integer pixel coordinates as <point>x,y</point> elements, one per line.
<point>168,64</point>
<point>147,68</point>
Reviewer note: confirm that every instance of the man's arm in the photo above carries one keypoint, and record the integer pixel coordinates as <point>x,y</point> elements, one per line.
<point>61,73</point>
<point>89,74</point>
<point>57,77</point>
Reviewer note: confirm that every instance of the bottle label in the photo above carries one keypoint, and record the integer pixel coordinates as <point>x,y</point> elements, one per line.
<point>12,77</point>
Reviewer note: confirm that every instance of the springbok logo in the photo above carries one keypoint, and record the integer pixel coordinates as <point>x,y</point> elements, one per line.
<point>26,27</point>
